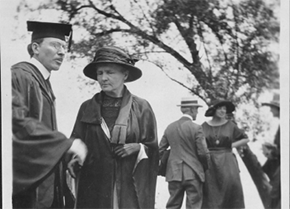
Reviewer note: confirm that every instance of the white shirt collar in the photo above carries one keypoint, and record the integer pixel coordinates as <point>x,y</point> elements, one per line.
<point>188,116</point>
<point>44,72</point>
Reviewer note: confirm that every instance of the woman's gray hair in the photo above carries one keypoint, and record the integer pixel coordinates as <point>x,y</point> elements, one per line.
<point>124,71</point>
<point>29,47</point>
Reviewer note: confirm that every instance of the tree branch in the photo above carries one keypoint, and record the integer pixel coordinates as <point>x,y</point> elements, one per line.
<point>109,15</point>
<point>82,7</point>
<point>180,83</point>
<point>114,30</point>
<point>200,33</point>
<point>194,69</point>
<point>145,16</point>
<point>187,35</point>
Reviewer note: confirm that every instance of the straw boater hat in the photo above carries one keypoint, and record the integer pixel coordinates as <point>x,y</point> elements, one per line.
<point>274,103</point>
<point>212,108</point>
<point>115,55</point>
<point>189,102</point>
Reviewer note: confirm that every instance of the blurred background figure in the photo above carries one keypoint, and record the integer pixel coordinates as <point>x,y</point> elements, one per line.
<point>272,152</point>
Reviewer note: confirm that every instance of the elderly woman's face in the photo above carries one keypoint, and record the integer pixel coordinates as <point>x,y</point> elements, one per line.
<point>221,111</point>
<point>111,78</point>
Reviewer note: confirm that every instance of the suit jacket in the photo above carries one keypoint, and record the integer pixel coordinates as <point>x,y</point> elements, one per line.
<point>189,153</point>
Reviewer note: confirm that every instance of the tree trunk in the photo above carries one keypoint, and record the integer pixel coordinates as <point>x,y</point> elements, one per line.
<point>259,177</point>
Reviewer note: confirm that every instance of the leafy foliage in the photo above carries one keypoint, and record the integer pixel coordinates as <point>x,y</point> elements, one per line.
<point>224,45</point>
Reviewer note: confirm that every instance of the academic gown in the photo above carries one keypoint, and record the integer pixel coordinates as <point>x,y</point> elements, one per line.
<point>104,174</point>
<point>38,147</point>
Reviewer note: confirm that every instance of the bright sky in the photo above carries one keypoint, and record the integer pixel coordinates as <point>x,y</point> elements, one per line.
<point>162,93</point>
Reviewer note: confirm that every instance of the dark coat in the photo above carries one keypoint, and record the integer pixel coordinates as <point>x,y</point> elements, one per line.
<point>271,165</point>
<point>273,169</point>
<point>187,143</point>
<point>37,146</point>
<point>135,186</point>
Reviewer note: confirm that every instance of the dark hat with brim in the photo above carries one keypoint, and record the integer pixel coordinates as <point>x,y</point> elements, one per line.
<point>275,101</point>
<point>189,102</point>
<point>212,108</point>
<point>272,104</point>
<point>113,55</point>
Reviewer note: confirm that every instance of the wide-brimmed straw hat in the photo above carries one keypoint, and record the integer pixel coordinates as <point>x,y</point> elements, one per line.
<point>115,55</point>
<point>189,102</point>
<point>212,108</point>
<point>274,103</point>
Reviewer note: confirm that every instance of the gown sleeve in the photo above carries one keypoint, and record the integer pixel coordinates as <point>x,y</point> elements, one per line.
<point>36,148</point>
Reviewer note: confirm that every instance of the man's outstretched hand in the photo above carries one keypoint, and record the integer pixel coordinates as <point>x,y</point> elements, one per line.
<point>79,151</point>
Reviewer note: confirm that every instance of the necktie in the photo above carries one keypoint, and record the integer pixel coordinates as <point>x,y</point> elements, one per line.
<point>49,89</point>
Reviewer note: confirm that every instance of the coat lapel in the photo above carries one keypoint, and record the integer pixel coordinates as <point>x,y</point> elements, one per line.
<point>120,128</point>
<point>92,115</point>
<point>42,83</point>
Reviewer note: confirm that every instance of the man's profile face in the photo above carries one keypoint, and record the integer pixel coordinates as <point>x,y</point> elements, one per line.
<point>50,53</point>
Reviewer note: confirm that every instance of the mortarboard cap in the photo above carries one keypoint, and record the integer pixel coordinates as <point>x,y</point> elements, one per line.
<point>48,29</point>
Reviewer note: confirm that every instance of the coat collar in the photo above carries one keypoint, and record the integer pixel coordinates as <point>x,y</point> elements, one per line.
<point>34,71</point>
<point>44,72</point>
<point>92,112</point>
<point>186,116</point>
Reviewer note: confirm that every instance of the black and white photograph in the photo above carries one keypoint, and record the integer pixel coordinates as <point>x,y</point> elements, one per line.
<point>148,104</point>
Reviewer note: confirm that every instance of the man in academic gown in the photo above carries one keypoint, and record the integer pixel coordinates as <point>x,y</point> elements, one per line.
<point>38,148</point>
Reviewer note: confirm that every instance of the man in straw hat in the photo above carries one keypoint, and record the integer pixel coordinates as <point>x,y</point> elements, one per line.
<point>38,148</point>
<point>188,157</point>
<point>272,152</point>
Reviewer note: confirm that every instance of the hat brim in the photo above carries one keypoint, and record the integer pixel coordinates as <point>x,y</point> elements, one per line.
<point>211,110</point>
<point>134,72</point>
<point>271,105</point>
<point>193,105</point>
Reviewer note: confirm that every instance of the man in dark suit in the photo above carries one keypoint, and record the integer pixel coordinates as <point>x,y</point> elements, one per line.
<point>188,157</point>
<point>272,152</point>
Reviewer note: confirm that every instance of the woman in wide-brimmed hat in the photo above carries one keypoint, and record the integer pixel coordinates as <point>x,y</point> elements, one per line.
<point>119,130</point>
<point>223,188</point>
